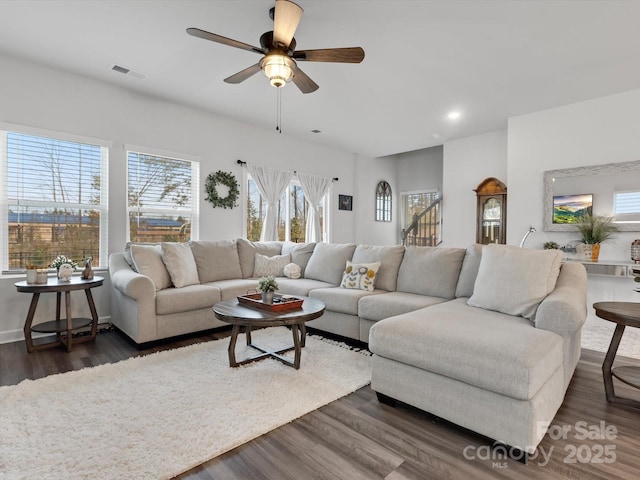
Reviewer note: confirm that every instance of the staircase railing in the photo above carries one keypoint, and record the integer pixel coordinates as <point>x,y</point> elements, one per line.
<point>426,228</point>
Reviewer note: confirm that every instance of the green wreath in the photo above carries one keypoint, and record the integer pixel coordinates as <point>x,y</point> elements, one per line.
<point>226,179</point>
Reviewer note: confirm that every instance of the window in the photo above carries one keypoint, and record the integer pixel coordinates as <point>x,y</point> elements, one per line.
<point>162,197</point>
<point>626,206</point>
<point>422,226</point>
<point>414,203</point>
<point>292,213</point>
<point>54,199</point>
<point>383,202</point>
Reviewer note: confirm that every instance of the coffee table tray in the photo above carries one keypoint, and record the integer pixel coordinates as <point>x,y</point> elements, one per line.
<point>280,302</point>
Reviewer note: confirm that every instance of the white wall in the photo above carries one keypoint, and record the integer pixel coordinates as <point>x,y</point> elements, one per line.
<point>420,169</point>
<point>369,173</point>
<point>467,162</point>
<point>604,130</point>
<point>41,97</point>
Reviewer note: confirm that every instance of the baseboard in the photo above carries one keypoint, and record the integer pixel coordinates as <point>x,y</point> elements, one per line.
<point>11,336</point>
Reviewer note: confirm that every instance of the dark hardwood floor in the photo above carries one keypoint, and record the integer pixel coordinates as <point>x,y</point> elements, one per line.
<point>356,437</point>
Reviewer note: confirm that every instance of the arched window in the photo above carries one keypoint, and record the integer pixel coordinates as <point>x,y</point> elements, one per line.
<point>383,202</point>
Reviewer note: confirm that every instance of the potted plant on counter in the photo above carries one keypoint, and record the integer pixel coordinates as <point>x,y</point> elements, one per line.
<point>595,230</point>
<point>267,286</point>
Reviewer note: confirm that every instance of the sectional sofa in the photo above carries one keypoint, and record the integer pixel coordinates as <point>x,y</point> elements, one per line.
<point>485,337</point>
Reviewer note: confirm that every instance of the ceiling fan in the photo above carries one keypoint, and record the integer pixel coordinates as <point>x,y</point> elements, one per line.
<point>279,50</point>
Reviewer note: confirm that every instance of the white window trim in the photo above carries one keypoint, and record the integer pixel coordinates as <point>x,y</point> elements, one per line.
<point>401,213</point>
<point>326,234</point>
<point>105,146</point>
<point>195,183</point>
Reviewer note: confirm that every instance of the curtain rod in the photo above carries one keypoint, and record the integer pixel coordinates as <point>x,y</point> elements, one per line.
<point>242,164</point>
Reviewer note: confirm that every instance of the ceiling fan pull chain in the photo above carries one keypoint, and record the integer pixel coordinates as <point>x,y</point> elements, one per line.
<point>278,110</point>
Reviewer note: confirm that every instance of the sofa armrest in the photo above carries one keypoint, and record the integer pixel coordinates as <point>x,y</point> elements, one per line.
<point>564,310</point>
<point>132,284</point>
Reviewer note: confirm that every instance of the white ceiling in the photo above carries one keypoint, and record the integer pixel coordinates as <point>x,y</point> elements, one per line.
<point>489,59</point>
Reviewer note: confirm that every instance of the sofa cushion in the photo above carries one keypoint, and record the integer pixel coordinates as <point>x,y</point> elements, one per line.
<point>300,253</point>
<point>270,266</point>
<point>390,258</point>
<point>360,276</point>
<point>515,280</point>
<point>300,286</point>
<point>431,271</point>
<point>247,253</point>
<point>178,259</point>
<point>490,350</point>
<point>232,288</point>
<point>341,300</point>
<point>127,252</point>
<point>328,260</point>
<point>216,260</point>
<point>469,270</point>
<point>148,261</point>
<point>186,299</point>
<point>377,307</point>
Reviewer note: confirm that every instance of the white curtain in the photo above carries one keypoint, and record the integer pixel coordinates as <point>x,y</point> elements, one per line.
<point>271,183</point>
<point>314,188</point>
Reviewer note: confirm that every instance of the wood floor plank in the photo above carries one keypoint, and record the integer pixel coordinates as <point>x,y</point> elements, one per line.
<point>356,437</point>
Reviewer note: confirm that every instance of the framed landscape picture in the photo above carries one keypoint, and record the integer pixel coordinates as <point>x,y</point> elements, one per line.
<point>568,209</point>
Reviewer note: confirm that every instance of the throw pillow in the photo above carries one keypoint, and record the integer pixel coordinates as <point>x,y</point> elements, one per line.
<point>216,260</point>
<point>265,266</point>
<point>180,264</point>
<point>515,280</point>
<point>360,276</point>
<point>148,261</point>
<point>469,270</point>
<point>300,253</point>
<point>389,257</point>
<point>430,271</point>
<point>247,252</point>
<point>328,260</point>
<point>292,270</point>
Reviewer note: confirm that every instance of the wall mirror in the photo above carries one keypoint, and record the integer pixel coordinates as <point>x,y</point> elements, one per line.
<point>602,188</point>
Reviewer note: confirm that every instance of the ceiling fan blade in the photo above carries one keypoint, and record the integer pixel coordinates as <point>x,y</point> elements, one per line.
<point>243,74</point>
<point>196,32</point>
<point>285,21</point>
<point>303,82</point>
<point>340,55</point>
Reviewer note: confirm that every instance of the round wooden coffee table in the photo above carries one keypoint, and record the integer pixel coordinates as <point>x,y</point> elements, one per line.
<point>624,314</point>
<point>231,311</point>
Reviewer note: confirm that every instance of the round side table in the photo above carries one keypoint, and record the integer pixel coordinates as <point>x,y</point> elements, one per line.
<point>624,314</point>
<point>59,326</point>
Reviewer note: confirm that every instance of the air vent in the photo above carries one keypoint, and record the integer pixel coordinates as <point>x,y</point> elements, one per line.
<point>120,69</point>
<point>127,71</point>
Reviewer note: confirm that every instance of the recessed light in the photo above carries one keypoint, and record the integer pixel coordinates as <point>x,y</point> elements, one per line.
<point>435,135</point>
<point>453,115</point>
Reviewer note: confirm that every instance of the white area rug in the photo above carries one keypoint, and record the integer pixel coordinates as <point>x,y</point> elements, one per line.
<point>597,333</point>
<point>157,416</point>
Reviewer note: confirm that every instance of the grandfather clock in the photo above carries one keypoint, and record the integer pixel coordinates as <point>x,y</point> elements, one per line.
<point>491,217</point>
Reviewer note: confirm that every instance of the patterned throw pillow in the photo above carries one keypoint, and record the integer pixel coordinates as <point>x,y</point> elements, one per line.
<point>360,276</point>
<point>265,266</point>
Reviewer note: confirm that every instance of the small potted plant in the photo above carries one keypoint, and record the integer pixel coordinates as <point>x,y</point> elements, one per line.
<point>61,260</point>
<point>551,246</point>
<point>595,230</point>
<point>267,286</point>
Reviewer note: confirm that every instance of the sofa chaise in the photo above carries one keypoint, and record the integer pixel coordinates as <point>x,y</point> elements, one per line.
<point>485,337</point>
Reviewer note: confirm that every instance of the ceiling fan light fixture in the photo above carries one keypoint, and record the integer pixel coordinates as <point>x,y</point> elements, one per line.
<point>278,69</point>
